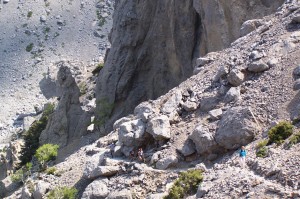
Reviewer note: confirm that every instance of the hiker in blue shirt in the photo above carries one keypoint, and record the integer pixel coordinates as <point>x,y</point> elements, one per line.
<point>243,154</point>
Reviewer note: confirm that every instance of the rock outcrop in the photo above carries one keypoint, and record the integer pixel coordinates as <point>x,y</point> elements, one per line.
<point>69,121</point>
<point>137,68</point>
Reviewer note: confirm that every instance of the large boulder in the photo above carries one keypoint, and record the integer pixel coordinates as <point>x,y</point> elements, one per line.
<point>41,189</point>
<point>236,77</point>
<point>203,139</point>
<point>232,95</point>
<point>187,148</point>
<point>166,162</point>
<point>236,128</point>
<point>249,26</point>
<point>96,190</point>
<point>172,103</point>
<point>159,127</point>
<point>91,167</point>
<point>123,194</point>
<point>132,133</point>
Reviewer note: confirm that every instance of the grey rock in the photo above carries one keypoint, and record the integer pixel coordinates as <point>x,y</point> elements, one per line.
<point>143,111</point>
<point>232,95</point>
<point>258,66</point>
<point>201,167</point>
<point>203,139</point>
<point>25,193</point>
<point>215,114</point>
<point>208,103</point>
<point>159,127</point>
<point>255,55</point>
<point>120,121</point>
<point>90,170</point>
<point>155,157</point>
<point>123,194</point>
<point>236,128</point>
<point>157,196</point>
<point>97,189</point>
<point>296,19</point>
<point>189,106</point>
<point>272,62</point>
<point>249,26</point>
<point>172,103</point>
<point>188,148</point>
<point>132,133</point>
<point>296,85</point>
<point>166,162</point>
<point>203,189</point>
<point>40,189</point>
<point>5,1</point>
<point>108,171</point>
<point>222,72</point>
<point>43,18</point>
<point>203,61</point>
<point>296,71</point>
<point>236,77</point>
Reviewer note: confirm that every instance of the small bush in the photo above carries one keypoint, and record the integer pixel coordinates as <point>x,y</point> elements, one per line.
<point>46,153</point>
<point>104,111</point>
<point>29,14</point>
<point>29,47</point>
<point>262,144</point>
<point>83,88</point>
<point>186,184</point>
<point>51,171</point>
<point>295,139</point>
<point>17,176</point>
<point>32,136</point>
<point>98,68</point>
<point>63,193</point>
<point>262,152</point>
<point>280,132</point>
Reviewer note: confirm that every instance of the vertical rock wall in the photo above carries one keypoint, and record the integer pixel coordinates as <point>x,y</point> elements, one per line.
<point>154,44</point>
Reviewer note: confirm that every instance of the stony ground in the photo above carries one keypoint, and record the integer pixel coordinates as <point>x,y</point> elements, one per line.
<point>57,30</point>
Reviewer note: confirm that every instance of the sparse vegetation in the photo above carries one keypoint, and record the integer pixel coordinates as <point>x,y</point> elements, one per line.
<point>101,20</point>
<point>83,88</point>
<point>186,184</point>
<point>262,152</point>
<point>46,153</point>
<point>262,144</point>
<point>29,14</point>
<point>104,111</point>
<point>31,137</point>
<point>280,132</point>
<point>63,193</point>
<point>17,176</point>
<point>29,47</point>
<point>98,68</point>
<point>294,139</point>
<point>51,171</point>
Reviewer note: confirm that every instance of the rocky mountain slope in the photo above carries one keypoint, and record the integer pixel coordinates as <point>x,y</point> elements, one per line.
<point>234,98</point>
<point>137,68</point>
<point>37,34</point>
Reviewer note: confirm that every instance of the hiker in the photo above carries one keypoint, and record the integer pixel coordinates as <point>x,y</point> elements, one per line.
<point>112,148</point>
<point>132,155</point>
<point>243,156</point>
<point>141,155</point>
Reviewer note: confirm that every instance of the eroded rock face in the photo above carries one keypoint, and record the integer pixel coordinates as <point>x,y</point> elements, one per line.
<point>68,121</point>
<point>137,68</point>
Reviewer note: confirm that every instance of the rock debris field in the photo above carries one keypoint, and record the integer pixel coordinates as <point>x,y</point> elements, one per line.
<point>34,34</point>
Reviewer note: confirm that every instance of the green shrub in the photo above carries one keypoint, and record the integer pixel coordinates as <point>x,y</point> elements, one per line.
<point>83,88</point>
<point>294,139</point>
<point>262,144</point>
<point>51,171</point>
<point>17,176</point>
<point>31,137</point>
<point>186,184</point>
<point>262,152</point>
<point>103,112</point>
<point>280,132</point>
<point>29,47</point>
<point>29,14</point>
<point>46,153</point>
<point>63,193</point>
<point>98,68</point>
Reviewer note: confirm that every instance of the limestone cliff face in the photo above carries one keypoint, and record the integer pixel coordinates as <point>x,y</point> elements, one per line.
<point>155,42</point>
